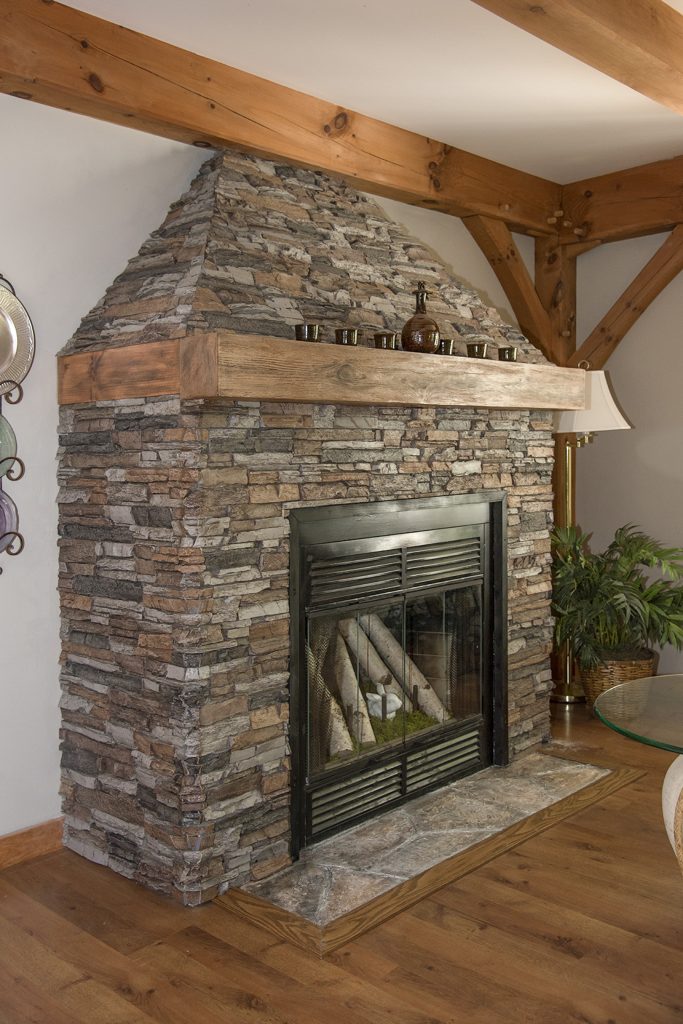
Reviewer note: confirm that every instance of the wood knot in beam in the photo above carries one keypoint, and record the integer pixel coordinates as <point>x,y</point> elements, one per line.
<point>338,124</point>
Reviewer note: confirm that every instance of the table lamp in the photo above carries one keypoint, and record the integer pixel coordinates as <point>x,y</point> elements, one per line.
<point>577,427</point>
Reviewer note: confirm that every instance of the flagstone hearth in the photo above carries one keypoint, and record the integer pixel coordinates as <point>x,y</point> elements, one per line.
<point>348,884</point>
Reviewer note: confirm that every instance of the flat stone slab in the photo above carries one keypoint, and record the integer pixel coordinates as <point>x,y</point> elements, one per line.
<point>347,871</point>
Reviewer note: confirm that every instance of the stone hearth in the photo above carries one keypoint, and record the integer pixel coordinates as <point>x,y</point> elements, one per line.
<point>174,522</point>
<point>348,871</point>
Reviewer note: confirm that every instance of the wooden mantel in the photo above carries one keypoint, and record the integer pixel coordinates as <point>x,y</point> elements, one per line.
<point>254,367</point>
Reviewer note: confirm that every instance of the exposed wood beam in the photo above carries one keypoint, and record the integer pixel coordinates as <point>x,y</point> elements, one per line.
<point>666,263</point>
<point>637,42</point>
<point>638,201</point>
<point>576,249</point>
<point>62,57</point>
<point>496,242</point>
<point>555,279</point>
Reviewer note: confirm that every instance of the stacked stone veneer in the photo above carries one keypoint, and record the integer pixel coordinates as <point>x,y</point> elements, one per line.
<point>174,524</point>
<point>254,247</point>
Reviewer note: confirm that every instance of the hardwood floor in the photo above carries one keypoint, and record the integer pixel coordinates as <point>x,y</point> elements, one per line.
<point>580,924</point>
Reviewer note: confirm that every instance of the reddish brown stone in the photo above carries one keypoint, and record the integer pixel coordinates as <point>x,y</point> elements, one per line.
<point>217,712</point>
<point>274,782</point>
<point>265,868</point>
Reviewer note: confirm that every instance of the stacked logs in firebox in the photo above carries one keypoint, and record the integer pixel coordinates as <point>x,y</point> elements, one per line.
<point>358,671</point>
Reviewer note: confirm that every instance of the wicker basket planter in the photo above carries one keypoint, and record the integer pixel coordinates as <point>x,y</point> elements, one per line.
<point>596,680</point>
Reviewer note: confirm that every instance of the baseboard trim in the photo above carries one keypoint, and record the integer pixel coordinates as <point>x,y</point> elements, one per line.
<point>32,842</point>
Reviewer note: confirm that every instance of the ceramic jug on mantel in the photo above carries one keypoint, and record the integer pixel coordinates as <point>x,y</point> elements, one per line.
<point>420,333</point>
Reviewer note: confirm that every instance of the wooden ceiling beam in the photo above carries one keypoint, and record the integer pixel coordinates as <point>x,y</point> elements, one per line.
<point>639,201</point>
<point>497,244</point>
<point>658,272</point>
<point>636,42</point>
<point>65,58</point>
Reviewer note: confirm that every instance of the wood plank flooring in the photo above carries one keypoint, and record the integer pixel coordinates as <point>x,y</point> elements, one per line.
<point>582,924</point>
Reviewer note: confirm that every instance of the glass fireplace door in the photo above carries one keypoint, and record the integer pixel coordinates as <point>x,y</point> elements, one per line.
<point>398,654</point>
<point>381,674</point>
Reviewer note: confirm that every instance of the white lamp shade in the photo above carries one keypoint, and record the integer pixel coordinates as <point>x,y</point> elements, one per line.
<point>601,412</point>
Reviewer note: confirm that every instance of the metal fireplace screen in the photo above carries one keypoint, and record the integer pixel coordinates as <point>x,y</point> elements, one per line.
<point>396,643</point>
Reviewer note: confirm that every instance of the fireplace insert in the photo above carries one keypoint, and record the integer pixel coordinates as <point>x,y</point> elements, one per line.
<point>398,670</point>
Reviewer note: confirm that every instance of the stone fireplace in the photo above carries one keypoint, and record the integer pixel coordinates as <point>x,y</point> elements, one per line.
<point>176,516</point>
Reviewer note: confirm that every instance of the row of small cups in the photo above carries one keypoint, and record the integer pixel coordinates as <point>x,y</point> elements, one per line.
<point>389,340</point>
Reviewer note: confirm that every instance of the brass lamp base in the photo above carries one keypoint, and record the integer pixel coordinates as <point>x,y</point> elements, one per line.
<point>567,694</point>
<point>567,687</point>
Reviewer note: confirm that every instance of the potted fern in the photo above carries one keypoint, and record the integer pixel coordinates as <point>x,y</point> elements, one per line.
<point>609,609</point>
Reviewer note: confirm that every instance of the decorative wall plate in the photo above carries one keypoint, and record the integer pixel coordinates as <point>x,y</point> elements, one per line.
<point>8,445</point>
<point>17,341</point>
<point>9,520</point>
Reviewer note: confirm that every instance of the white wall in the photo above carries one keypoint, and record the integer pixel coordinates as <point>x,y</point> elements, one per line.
<point>78,199</point>
<point>636,476</point>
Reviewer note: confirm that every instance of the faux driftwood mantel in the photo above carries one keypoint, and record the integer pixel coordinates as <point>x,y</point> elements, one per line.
<point>255,367</point>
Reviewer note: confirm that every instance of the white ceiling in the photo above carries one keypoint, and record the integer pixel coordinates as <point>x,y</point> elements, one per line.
<point>445,68</point>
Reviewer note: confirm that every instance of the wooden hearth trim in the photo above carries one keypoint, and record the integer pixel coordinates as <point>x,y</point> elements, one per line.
<point>65,58</point>
<point>253,367</point>
<point>321,940</point>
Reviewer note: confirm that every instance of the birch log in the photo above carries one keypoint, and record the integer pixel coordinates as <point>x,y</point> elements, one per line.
<point>371,664</point>
<point>403,668</point>
<point>340,737</point>
<point>351,696</point>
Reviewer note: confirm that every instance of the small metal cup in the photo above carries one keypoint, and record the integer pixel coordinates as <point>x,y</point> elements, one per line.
<point>386,339</point>
<point>508,354</point>
<point>307,332</point>
<point>446,347</point>
<point>477,349</point>
<point>346,336</point>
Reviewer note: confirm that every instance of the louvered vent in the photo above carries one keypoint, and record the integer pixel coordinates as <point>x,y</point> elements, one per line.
<point>440,563</point>
<point>374,573</point>
<point>340,804</point>
<point>337,579</point>
<point>357,797</point>
<point>442,761</point>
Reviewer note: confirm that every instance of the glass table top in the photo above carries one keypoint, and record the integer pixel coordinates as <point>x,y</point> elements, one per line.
<point>649,710</point>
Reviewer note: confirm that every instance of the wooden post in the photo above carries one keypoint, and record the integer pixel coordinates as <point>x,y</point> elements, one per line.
<point>555,280</point>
